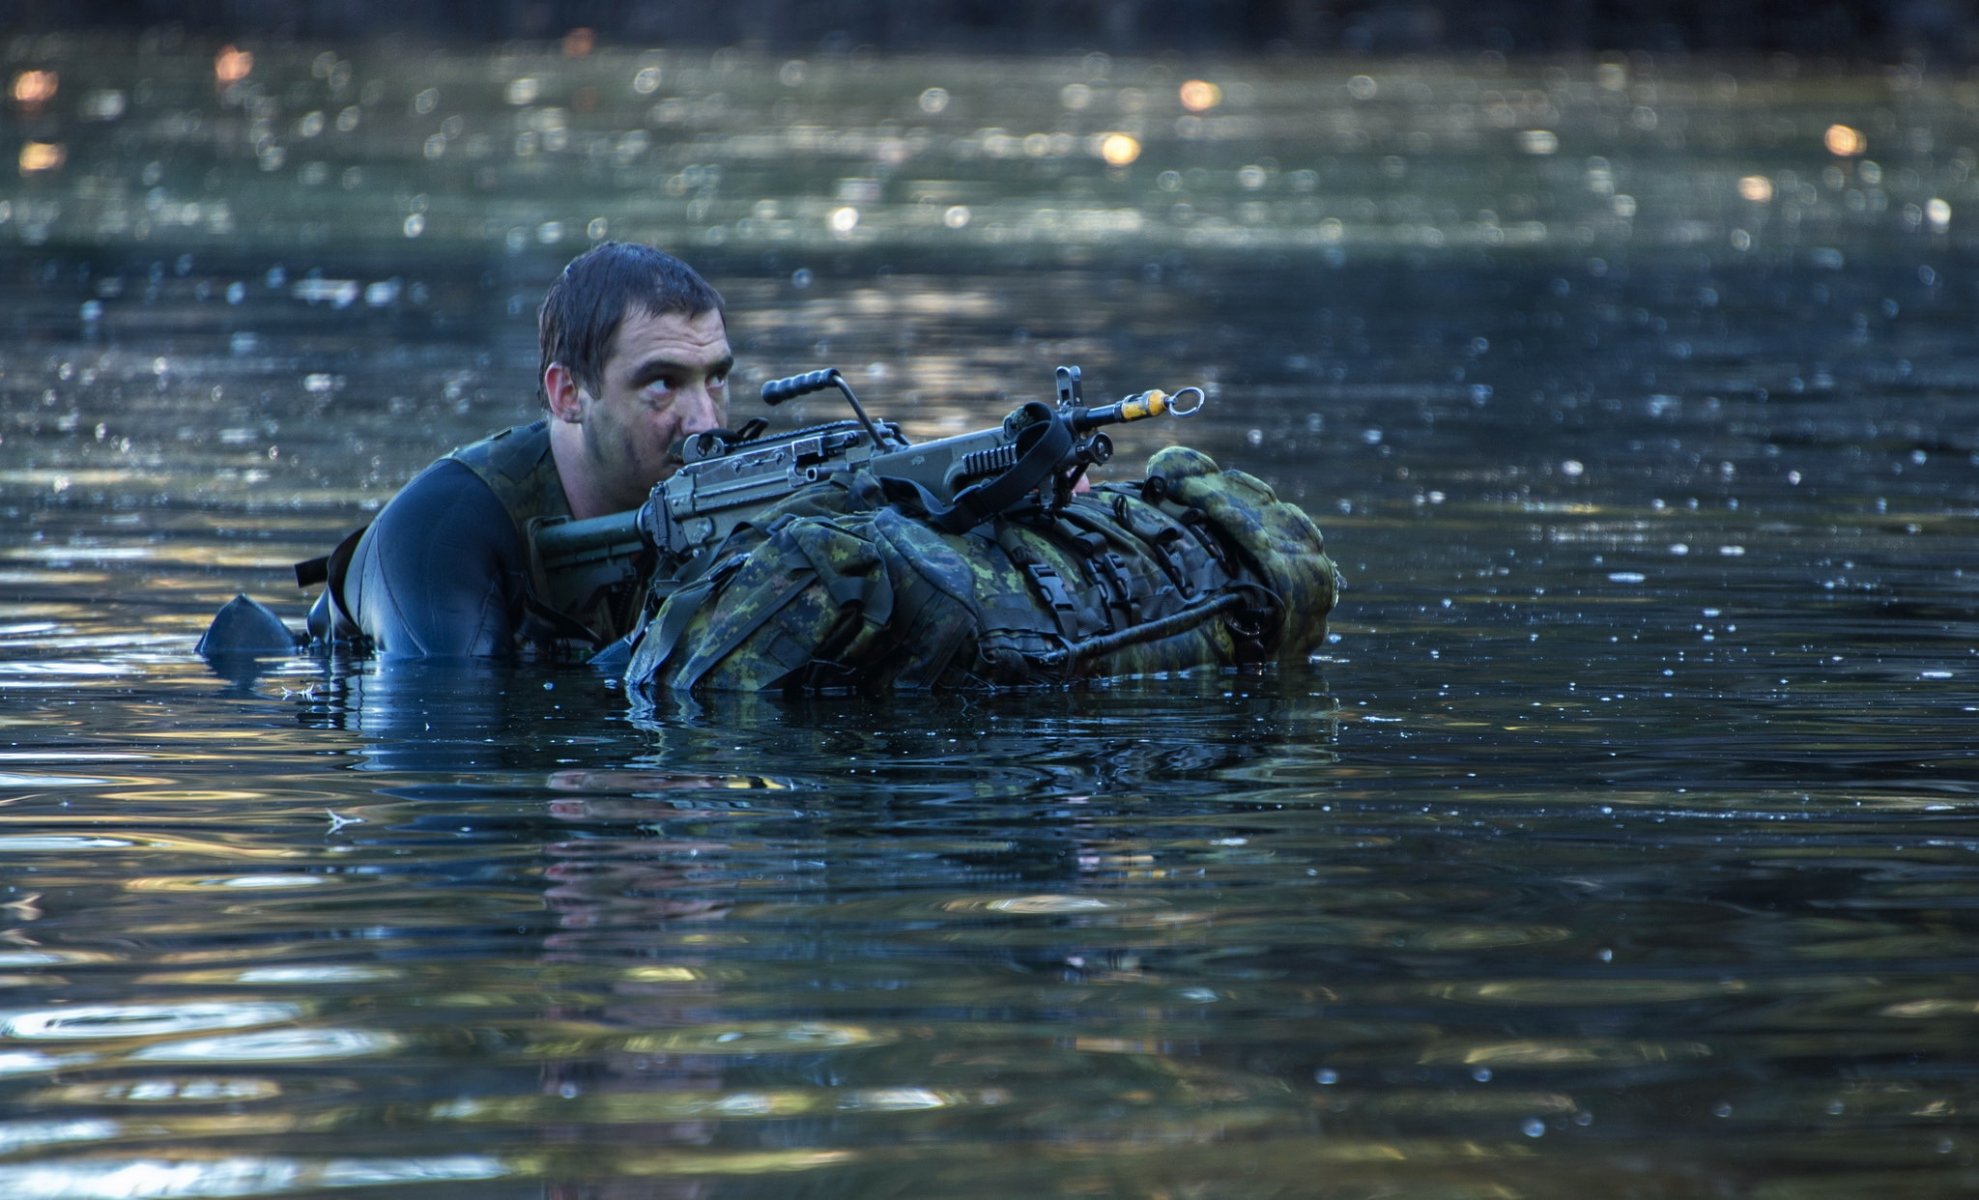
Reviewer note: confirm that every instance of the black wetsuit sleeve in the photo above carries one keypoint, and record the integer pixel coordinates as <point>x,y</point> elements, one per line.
<point>441,572</point>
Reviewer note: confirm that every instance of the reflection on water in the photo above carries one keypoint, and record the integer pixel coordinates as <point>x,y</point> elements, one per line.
<point>1616,844</point>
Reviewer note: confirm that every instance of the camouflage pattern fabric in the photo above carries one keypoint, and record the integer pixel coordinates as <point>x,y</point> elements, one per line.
<point>850,586</point>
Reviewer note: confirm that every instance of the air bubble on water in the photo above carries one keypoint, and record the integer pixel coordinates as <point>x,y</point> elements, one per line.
<point>1326,1076</point>
<point>1533,1127</point>
<point>1482,1074</point>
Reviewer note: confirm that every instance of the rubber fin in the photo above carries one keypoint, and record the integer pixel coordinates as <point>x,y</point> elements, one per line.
<point>244,626</point>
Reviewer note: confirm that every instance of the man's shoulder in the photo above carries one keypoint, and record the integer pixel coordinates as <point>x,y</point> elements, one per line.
<point>503,473</point>
<point>518,467</point>
<point>446,493</point>
<point>516,449</point>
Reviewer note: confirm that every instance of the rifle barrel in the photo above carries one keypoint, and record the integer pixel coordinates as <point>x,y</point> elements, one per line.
<point>1151,403</point>
<point>566,542</point>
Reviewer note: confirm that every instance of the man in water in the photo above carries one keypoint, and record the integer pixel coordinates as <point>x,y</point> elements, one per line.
<point>635,356</point>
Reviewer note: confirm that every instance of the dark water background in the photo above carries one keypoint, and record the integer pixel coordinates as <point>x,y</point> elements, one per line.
<point>1620,843</point>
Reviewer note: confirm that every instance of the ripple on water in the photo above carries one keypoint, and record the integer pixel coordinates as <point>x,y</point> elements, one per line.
<point>1039,904</point>
<point>162,1090</point>
<point>92,1022</point>
<point>1590,1052</point>
<point>176,843</point>
<point>148,1178</point>
<point>621,1108</point>
<point>275,1045</point>
<point>23,842</point>
<point>18,780</point>
<point>248,883</point>
<point>300,976</point>
<point>44,956</point>
<point>15,675</point>
<point>16,1136</point>
<point>756,1037</point>
<point>1028,906</point>
<point>36,1062</point>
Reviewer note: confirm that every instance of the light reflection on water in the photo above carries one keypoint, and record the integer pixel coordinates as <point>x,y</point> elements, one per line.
<point>1618,843</point>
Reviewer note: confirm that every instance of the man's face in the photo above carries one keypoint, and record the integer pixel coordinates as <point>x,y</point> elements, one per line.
<point>667,378</point>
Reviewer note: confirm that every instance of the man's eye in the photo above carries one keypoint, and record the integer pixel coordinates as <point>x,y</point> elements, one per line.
<point>717,382</point>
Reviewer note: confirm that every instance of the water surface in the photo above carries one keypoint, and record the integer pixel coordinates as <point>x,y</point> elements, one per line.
<point>1618,842</point>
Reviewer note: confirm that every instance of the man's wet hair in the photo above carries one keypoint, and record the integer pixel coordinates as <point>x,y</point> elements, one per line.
<point>578,323</point>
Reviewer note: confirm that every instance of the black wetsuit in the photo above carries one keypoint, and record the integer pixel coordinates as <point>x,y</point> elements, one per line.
<point>442,572</point>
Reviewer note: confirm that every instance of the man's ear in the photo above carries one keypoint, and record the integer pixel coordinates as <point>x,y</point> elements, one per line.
<point>563,392</point>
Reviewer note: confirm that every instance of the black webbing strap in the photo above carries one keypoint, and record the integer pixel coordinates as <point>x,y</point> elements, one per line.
<point>1147,631</point>
<point>312,571</point>
<point>1050,446</point>
<point>330,570</point>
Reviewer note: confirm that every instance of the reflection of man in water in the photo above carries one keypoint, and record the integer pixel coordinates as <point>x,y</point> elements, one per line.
<point>635,356</point>
<point>625,892</point>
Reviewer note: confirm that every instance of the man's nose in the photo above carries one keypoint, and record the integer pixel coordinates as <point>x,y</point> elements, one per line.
<point>700,412</point>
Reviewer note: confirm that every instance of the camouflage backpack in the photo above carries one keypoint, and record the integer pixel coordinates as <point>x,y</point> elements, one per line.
<point>850,585</point>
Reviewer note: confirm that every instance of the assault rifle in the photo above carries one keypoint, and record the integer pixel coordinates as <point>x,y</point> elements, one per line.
<point>1037,454</point>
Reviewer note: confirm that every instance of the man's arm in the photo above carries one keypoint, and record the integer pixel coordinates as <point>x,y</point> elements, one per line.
<point>441,572</point>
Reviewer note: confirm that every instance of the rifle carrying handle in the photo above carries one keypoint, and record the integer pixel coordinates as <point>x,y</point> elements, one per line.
<point>776,391</point>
